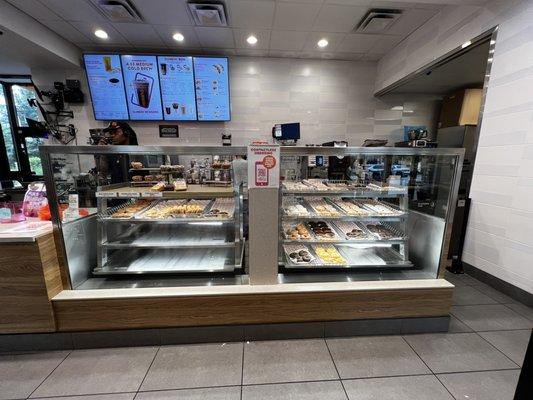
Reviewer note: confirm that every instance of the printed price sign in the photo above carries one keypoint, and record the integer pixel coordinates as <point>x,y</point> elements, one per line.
<point>129,194</point>
<point>106,194</point>
<point>263,165</point>
<point>152,195</point>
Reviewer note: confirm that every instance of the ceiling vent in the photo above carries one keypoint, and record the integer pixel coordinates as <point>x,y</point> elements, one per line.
<point>208,13</point>
<point>118,10</point>
<point>377,20</point>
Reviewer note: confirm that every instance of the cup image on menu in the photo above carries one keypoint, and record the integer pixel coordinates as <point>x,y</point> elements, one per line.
<point>183,110</point>
<point>163,68</point>
<point>261,174</point>
<point>107,64</point>
<point>168,110</point>
<point>175,106</point>
<point>143,90</point>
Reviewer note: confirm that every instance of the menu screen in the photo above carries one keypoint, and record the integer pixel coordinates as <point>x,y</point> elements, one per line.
<point>177,88</point>
<point>104,74</point>
<point>142,87</point>
<point>212,88</point>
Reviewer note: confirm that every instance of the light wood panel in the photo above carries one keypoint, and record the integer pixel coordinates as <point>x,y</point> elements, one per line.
<point>148,312</point>
<point>29,278</point>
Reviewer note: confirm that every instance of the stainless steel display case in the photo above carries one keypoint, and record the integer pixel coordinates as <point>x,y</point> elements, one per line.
<point>410,193</point>
<point>98,244</point>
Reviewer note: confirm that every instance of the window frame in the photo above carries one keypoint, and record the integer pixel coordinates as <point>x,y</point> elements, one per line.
<point>19,133</point>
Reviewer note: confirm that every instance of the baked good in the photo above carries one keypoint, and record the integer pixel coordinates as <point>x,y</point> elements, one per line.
<point>137,178</point>
<point>299,254</point>
<point>322,230</point>
<point>136,164</point>
<point>131,209</point>
<point>329,255</point>
<point>149,178</point>
<point>296,232</point>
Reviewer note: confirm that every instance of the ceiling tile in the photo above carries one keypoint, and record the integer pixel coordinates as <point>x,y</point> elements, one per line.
<point>410,20</point>
<point>252,52</point>
<point>139,34</point>
<point>349,56</point>
<point>372,57</point>
<point>295,16</point>
<point>333,18</point>
<point>166,32</point>
<point>434,5</point>
<point>385,43</point>
<point>215,37</point>
<point>164,12</point>
<point>357,43</point>
<point>287,40</point>
<point>68,32</point>
<point>304,1</point>
<point>334,39</point>
<point>219,52</point>
<point>282,53</point>
<point>349,2</point>
<point>240,36</point>
<point>35,9</point>
<point>251,14</point>
<point>88,28</point>
<point>75,10</point>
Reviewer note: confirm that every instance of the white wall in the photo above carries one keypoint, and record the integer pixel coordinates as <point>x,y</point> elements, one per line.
<point>500,229</point>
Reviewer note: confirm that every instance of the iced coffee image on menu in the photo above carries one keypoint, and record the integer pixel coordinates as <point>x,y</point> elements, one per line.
<point>142,90</point>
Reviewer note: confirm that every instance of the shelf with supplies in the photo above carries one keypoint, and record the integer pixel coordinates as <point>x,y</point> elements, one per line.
<point>192,192</point>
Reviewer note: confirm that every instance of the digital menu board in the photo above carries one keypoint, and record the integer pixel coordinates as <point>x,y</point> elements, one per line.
<point>177,88</point>
<point>212,88</point>
<point>158,87</point>
<point>104,74</point>
<point>142,87</point>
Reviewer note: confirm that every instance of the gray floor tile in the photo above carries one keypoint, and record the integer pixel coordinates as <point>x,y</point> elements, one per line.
<point>397,388</point>
<point>490,317</point>
<point>20,374</point>
<point>202,334</point>
<point>458,352</point>
<point>330,390</point>
<point>367,357</point>
<point>459,279</point>
<point>220,393</point>
<point>522,309</point>
<point>425,325</point>
<point>511,343</point>
<point>114,396</point>
<point>363,327</point>
<point>98,371</point>
<point>306,330</point>
<point>121,338</point>
<point>457,326</point>
<point>287,361</point>
<point>200,365</point>
<point>468,295</point>
<point>488,385</point>
<point>493,293</point>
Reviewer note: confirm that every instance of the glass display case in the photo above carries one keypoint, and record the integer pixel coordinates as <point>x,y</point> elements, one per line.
<point>366,210</point>
<point>130,210</point>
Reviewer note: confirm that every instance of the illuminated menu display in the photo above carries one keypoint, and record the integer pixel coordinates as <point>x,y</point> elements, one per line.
<point>212,88</point>
<point>158,87</point>
<point>177,88</point>
<point>142,87</point>
<point>104,74</point>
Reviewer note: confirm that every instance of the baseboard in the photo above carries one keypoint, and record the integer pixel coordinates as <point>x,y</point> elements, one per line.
<point>211,334</point>
<point>507,288</point>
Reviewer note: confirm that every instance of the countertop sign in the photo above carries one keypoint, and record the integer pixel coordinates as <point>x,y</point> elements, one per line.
<point>263,166</point>
<point>169,131</point>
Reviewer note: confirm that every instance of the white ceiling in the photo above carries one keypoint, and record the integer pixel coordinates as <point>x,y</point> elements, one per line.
<point>284,28</point>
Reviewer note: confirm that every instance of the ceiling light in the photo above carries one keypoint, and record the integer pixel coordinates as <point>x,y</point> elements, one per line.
<point>322,43</point>
<point>466,44</point>
<point>101,34</point>
<point>251,40</point>
<point>178,37</point>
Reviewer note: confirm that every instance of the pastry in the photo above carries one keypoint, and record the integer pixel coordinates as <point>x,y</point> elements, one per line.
<point>149,178</point>
<point>322,230</point>
<point>296,232</point>
<point>322,208</point>
<point>299,254</point>
<point>381,231</point>
<point>136,165</point>
<point>131,209</point>
<point>137,178</point>
<point>329,255</point>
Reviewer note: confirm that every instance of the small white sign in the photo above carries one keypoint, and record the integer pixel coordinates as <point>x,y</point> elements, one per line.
<point>151,195</point>
<point>106,194</point>
<point>129,195</point>
<point>263,165</point>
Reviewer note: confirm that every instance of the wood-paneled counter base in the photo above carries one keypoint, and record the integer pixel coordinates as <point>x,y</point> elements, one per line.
<point>29,278</point>
<point>88,310</point>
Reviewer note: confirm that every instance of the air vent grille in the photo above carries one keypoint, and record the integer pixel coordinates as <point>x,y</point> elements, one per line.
<point>377,20</point>
<point>118,10</point>
<point>208,13</point>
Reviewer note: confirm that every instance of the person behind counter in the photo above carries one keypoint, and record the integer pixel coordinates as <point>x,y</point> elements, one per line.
<point>114,168</point>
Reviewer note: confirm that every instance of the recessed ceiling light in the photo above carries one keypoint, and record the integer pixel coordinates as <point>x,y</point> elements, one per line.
<point>178,37</point>
<point>251,39</point>
<point>99,33</point>
<point>466,44</point>
<point>322,43</point>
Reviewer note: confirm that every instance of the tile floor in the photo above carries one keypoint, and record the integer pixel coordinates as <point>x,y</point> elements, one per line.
<point>479,358</point>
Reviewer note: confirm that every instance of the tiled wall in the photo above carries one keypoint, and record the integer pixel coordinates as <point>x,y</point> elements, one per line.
<point>332,99</point>
<point>500,229</point>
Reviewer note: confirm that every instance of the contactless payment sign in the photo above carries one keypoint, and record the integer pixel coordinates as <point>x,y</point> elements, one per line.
<point>263,166</point>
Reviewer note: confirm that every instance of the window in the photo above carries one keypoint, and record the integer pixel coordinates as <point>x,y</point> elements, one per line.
<point>21,96</point>
<point>19,145</point>
<point>7,133</point>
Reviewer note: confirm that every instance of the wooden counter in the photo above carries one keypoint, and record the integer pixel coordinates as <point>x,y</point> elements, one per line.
<point>29,278</point>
